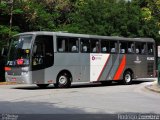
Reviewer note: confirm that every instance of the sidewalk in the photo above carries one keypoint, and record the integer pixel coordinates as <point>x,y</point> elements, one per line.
<point>153,87</point>
<point>7,83</point>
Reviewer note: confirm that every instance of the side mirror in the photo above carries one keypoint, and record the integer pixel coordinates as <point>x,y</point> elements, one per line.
<point>4,51</point>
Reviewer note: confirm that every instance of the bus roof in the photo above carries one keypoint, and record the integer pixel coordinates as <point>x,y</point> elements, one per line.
<point>88,36</point>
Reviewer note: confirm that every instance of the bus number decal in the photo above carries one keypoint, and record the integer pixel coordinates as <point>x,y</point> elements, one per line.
<point>150,58</point>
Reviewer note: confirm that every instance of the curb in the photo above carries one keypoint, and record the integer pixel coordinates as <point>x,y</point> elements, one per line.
<point>153,87</point>
<point>8,83</point>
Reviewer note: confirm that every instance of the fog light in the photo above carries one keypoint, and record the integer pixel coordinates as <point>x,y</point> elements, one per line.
<point>24,73</point>
<point>25,68</point>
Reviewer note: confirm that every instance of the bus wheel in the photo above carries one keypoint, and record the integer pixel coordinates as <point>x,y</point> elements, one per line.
<point>127,78</point>
<point>42,85</point>
<point>106,82</point>
<point>63,81</point>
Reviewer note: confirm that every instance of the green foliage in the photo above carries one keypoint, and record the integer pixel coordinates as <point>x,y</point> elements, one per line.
<point>5,33</point>
<point>104,17</point>
<point>17,11</point>
<point>113,18</point>
<point>37,17</point>
<point>137,18</point>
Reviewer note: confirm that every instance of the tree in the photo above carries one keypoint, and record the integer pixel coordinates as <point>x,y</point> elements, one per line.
<point>102,17</point>
<point>151,18</point>
<point>6,27</point>
<point>105,17</point>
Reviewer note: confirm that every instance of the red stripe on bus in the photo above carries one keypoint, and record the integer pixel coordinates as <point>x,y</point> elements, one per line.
<point>103,68</point>
<point>120,68</point>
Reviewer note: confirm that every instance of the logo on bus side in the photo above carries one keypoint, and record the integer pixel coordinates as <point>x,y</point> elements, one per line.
<point>93,58</point>
<point>97,57</point>
<point>137,60</point>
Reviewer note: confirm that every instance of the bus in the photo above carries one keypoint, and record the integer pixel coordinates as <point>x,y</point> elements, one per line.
<point>60,58</point>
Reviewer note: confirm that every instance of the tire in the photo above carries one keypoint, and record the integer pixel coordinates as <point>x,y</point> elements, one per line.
<point>42,85</point>
<point>63,81</point>
<point>106,82</point>
<point>127,78</point>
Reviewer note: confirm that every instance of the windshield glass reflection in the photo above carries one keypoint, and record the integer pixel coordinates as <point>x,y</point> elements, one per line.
<point>19,52</point>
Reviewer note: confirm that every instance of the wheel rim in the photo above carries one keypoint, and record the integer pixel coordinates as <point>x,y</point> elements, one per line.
<point>127,78</point>
<point>63,80</point>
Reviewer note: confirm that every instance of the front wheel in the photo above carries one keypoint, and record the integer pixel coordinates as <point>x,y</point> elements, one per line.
<point>127,78</point>
<point>63,81</point>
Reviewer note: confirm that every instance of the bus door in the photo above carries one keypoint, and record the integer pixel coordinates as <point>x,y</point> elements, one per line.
<point>42,58</point>
<point>85,60</point>
<point>140,60</point>
<point>150,60</point>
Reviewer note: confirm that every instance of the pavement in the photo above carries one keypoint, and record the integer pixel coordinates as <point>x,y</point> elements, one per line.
<point>79,99</point>
<point>153,86</point>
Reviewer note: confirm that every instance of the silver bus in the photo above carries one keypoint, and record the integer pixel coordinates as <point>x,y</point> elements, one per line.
<point>58,58</point>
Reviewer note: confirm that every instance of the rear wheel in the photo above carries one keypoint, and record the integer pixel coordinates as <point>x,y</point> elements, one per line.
<point>63,81</point>
<point>127,78</point>
<point>42,85</point>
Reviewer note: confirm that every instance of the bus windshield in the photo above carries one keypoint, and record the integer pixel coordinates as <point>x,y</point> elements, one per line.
<point>19,51</point>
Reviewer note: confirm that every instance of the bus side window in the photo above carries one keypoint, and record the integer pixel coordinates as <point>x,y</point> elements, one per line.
<point>84,49</point>
<point>143,48</point>
<point>73,45</point>
<point>95,46</point>
<point>130,47</point>
<point>138,47</point>
<point>104,46</point>
<point>122,47</point>
<point>150,48</point>
<point>85,45</point>
<point>113,46</point>
<point>62,44</point>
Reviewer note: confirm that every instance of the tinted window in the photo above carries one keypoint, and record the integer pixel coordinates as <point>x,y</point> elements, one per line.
<point>130,47</point>
<point>113,46</point>
<point>73,44</point>
<point>122,47</point>
<point>43,56</point>
<point>62,44</point>
<point>104,46</point>
<point>150,48</point>
<point>140,48</point>
<point>67,44</point>
<point>95,47</point>
<point>85,45</point>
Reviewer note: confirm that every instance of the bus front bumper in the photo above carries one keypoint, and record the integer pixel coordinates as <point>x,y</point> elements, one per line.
<point>22,79</point>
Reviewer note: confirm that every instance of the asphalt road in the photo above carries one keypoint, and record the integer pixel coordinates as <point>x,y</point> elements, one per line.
<point>79,99</point>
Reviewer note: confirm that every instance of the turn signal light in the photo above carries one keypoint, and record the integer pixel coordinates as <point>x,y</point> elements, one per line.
<point>7,68</point>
